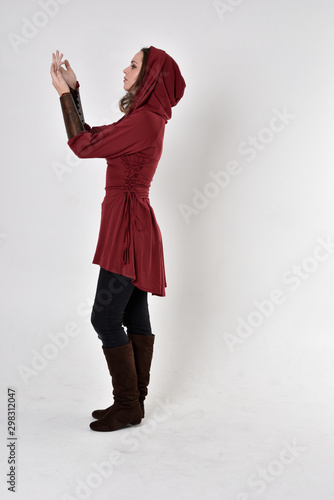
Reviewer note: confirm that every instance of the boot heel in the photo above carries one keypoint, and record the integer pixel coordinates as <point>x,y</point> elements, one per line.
<point>136,422</point>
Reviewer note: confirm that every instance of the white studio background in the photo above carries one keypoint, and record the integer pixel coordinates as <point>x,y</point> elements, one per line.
<point>243,197</point>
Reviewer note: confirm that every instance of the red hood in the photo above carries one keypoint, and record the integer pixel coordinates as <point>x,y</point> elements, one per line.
<point>162,86</point>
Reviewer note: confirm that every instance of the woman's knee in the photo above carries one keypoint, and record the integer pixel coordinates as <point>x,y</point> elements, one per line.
<point>96,320</point>
<point>137,326</point>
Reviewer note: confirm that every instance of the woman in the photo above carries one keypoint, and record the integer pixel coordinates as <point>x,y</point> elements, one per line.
<point>129,248</point>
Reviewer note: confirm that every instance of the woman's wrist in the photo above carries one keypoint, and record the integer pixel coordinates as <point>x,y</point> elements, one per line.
<point>64,90</point>
<point>75,86</point>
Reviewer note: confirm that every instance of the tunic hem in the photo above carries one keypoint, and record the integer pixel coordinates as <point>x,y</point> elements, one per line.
<point>133,279</point>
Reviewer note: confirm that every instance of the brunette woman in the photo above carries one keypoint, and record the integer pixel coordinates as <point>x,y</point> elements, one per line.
<point>129,248</point>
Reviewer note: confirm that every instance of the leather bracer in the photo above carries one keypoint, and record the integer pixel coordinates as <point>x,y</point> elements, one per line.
<point>71,116</point>
<point>77,101</point>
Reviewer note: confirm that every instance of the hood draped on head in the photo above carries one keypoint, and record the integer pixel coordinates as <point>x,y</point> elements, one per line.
<point>162,86</point>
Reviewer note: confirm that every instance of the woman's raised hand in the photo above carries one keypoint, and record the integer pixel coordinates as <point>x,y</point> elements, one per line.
<point>67,75</point>
<point>58,81</point>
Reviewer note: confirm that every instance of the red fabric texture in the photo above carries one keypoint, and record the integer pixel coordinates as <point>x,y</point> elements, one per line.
<point>130,241</point>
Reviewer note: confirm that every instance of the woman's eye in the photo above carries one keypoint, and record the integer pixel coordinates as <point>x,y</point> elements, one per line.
<point>133,66</point>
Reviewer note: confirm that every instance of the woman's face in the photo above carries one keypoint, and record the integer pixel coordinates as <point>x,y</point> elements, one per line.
<point>132,71</point>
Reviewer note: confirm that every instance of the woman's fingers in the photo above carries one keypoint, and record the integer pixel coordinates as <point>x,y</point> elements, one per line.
<point>57,58</point>
<point>54,75</point>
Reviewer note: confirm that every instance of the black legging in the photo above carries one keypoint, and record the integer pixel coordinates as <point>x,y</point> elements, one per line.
<point>118,302</point>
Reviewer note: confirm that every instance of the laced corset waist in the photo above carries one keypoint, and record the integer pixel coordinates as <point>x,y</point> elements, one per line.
<point>135,188</point>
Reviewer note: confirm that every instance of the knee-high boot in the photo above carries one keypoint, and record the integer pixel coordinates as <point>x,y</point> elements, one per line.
<point>143,353</point>
<point>126,408</point>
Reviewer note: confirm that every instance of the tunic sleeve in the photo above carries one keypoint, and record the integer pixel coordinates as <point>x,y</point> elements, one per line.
<point>94,130</point>
<point>130,135</point>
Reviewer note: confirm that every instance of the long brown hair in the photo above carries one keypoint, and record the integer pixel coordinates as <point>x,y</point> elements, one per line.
<point>126,101</point>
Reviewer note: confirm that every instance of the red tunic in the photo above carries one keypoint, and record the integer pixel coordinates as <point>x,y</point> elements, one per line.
<point>130,241</point>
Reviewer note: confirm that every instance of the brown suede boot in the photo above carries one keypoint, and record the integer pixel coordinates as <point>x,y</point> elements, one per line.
<point>126,408</point>
<point>143,352</point>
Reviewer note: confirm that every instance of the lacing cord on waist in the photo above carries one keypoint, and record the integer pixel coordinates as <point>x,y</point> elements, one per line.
<point>129,216</point>
<point>135,190</point>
